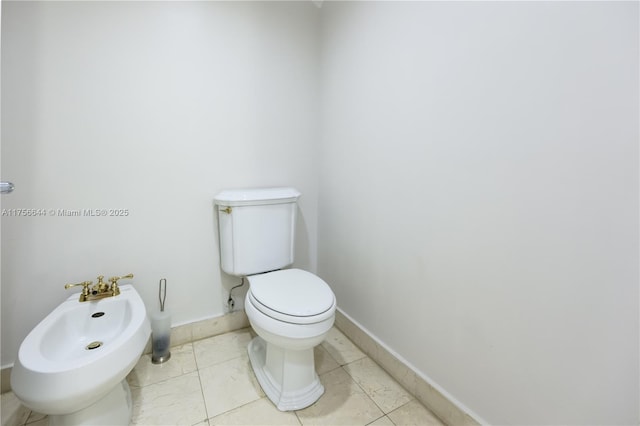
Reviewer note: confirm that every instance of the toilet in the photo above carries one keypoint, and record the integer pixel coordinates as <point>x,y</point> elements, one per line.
<point>290,310</point>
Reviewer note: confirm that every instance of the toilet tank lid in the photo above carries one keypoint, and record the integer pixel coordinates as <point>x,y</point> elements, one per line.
<point>253,196</point>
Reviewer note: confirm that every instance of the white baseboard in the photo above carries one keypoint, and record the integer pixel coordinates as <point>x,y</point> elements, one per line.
<point>424,390</point>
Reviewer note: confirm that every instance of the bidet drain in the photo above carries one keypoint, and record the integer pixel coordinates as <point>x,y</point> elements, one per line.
<point>93,345</point>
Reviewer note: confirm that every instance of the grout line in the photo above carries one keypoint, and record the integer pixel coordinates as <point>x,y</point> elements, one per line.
<point>372,422</point>
<point>237,330</point>
<point>204,401</point>
<point>298,418</point>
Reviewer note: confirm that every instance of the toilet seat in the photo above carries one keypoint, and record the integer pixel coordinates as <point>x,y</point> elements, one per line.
<point>292,319</point>
<point>292,295</point>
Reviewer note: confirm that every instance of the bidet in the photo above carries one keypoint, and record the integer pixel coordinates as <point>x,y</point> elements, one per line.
<point>73,364</point>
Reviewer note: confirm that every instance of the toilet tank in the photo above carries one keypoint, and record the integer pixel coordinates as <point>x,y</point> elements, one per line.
<point>256,229</point>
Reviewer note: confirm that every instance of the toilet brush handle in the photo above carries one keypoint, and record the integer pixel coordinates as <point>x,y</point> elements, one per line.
<point>162,293</point>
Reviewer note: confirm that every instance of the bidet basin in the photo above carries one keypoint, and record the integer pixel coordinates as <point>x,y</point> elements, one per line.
<point>80,352</point>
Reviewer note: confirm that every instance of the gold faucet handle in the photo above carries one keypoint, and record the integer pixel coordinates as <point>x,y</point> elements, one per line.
<point>85,289</point>
<point>115,279</point>
<point>85,285</point>
<point>115,290</point>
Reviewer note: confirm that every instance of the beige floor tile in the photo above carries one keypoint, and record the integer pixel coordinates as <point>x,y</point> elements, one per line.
<point>414,413</point>
<point>12,412</point>
<point>229,385</point>
<point>343,403</point>
<point>223,347</point>
<point>213,378</point>
<point>145,372</point>
<point>259,412</point>
<point>382,421</point>
<point>376,383</point>
<point>341,348</point>
<point>176,401</point>
<point>323,360</point>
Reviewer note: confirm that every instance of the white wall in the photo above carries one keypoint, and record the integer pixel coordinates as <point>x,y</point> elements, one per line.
<point>478,175</point>
<point>152,107</point>
<point>479,198</point>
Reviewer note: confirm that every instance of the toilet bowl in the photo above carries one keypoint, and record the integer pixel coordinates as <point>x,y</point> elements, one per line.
<point>73,364</point>
<point>291,311</point>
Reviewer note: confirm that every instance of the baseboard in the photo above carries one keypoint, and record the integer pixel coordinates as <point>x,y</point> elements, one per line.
<point>199,330</point>
<point>429,394</point>
<point>5,382</point>
<point>180,335</point>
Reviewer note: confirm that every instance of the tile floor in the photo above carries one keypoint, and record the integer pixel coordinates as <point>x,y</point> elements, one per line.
<point>210,382</point>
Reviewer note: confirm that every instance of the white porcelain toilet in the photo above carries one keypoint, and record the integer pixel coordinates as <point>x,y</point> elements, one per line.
<point>290,310</point>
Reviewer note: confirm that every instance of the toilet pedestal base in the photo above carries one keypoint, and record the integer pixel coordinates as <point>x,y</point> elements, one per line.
<point>114,409</point>
<point>287,377</point>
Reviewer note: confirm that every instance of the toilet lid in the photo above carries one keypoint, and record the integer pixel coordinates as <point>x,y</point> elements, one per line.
<point>292,293</point>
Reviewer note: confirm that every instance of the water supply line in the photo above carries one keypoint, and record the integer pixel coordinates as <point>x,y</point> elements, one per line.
<point>230,302</point>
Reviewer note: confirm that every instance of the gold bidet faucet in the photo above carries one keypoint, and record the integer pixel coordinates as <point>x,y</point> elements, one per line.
<point>100,290</point>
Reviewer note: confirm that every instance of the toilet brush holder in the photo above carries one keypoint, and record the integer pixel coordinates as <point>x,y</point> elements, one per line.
<point>161,328</point>
<point>160,337</point>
